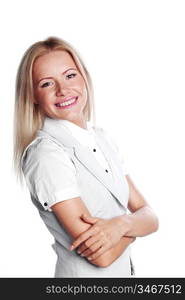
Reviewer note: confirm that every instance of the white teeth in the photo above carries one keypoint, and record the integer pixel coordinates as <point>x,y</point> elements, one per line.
<point>67,102</point>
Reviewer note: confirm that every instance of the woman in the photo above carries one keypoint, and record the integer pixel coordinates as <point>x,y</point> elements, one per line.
<point>73,170</point>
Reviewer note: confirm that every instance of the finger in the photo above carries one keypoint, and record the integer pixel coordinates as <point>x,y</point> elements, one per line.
<point>98,253</point>
<point>92,249</point>
<point>81,248</point>
<point>89,219</point>
<point>82,238</point>
<point>88,243</point>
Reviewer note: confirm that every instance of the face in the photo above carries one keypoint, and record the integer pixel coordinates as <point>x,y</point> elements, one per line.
<point>59,88</point>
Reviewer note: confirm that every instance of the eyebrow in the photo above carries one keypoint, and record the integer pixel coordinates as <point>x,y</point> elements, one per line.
<point>52,77</point>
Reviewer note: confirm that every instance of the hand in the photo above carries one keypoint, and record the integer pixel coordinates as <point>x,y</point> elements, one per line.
<point>101,236</point>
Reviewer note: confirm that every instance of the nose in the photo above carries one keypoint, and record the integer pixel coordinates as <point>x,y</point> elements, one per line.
<point>61,89</point>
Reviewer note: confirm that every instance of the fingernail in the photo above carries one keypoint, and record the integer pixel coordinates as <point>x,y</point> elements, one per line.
<point>72,247</point>
<point>78,252</point>
<point>89,258</point>
<point>82,254</point>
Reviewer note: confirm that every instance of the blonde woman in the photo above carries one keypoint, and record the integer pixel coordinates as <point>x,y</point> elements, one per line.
<point>73,170</point>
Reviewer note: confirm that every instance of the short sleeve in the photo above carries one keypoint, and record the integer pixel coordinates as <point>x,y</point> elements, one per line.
<point>50,175</point>
<point>120,156</point>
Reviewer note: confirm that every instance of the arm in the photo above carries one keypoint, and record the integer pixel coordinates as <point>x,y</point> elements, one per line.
<point>69,214</point>
<point>108,257</point>
<point>142,220</point>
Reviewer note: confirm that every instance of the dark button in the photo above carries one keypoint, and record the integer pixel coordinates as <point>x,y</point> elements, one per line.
<point>94,150</point>
<point>45,204</point>
<point>106,171</point>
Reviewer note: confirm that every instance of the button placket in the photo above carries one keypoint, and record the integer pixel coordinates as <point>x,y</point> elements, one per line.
<point>94,150</point>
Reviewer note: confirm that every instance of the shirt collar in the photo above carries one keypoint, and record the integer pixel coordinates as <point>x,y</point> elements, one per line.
<point>84,136</point>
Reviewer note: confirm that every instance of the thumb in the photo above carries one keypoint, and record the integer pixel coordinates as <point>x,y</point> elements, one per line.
<point>89,219</point>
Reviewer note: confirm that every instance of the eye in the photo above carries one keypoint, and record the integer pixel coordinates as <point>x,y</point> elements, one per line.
<point>46,84</point>
<point>71,75</point>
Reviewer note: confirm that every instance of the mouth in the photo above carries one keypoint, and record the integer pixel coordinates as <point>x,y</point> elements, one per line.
<point>67,103</point>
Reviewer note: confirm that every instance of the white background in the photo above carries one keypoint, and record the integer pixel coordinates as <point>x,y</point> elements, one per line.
<point>135,52</point>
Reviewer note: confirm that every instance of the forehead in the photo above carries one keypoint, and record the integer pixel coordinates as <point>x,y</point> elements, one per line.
<point>52,62</point>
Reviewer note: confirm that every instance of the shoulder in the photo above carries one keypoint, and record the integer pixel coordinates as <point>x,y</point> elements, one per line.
<point>37,148</point>
<point>44,152</point>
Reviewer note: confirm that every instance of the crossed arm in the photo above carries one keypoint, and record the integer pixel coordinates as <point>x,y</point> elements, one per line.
<point>116,234</point>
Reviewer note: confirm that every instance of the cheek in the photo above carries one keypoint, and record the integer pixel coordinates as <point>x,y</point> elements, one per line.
<point>80,83</point>
<point>42,96</point>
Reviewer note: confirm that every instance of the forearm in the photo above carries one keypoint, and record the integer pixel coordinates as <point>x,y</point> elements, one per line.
<point>140,223</point>
<point>113,253</point>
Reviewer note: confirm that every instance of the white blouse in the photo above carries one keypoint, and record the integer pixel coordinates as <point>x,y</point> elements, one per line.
<point>61,184</point>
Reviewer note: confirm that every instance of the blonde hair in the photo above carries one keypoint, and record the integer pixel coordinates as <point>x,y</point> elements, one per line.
<point>28,118</point>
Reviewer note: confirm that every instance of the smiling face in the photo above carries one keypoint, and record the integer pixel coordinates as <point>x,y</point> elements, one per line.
<point>59,88</point>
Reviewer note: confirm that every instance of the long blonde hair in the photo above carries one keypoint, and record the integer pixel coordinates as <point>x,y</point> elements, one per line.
<point>28,118</point>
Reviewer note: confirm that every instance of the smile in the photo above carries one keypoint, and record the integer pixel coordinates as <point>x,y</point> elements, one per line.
<point>67,103</point>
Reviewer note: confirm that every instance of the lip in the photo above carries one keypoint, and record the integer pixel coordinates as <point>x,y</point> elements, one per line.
<point>67,99</point>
